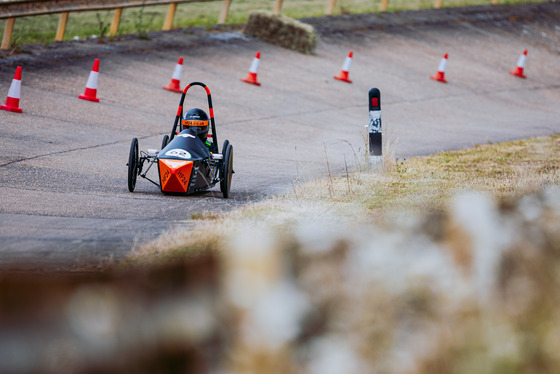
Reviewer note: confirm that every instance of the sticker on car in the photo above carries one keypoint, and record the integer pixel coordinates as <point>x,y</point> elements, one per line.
<point>181,153</point>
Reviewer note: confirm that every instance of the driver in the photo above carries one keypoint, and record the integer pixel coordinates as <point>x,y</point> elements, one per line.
<point>197,120</point>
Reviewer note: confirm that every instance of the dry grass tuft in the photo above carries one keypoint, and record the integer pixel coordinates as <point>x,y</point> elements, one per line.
<point>181,245</point>
<point>507,171</point>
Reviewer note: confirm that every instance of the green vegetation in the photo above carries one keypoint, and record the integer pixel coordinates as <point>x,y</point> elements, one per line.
<point>143,21</point>
<point>103,26</point>
<point>139,21</point>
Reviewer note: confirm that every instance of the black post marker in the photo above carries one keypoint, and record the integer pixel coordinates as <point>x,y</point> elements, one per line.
<point>374,128</point>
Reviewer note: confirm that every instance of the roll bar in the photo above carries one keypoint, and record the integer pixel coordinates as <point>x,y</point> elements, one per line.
<point>210,110</point>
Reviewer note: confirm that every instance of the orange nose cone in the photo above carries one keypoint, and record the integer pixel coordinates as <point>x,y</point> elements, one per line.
<point>175,175</point>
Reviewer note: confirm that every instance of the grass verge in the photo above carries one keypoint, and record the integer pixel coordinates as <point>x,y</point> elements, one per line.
<point>42,29</point>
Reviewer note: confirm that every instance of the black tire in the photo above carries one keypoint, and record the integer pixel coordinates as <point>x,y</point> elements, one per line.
<point>226,142</point>
<point>227,171</point>
<point>133,159</point>
<point>165,141</point>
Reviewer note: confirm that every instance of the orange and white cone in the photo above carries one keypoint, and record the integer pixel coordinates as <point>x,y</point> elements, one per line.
<point>12,101</point>
<point>175,84</point>
<point>518,71</point>
<point>253,71</point>
<point>440,75</point>
<point>91,86</point>
<point>343,76</point>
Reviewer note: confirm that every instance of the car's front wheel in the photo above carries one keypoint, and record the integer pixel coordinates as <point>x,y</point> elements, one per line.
<point>133,160</point>
<point>227,170</point>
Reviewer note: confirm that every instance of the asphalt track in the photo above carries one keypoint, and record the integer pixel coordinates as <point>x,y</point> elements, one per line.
<point>63,176</point>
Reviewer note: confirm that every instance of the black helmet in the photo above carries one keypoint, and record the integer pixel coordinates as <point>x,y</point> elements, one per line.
<point>196,120</point>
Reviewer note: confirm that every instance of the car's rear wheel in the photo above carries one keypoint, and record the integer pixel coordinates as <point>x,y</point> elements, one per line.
<point>227,170</point>
<point>133,160</point>
<point>165,141</point>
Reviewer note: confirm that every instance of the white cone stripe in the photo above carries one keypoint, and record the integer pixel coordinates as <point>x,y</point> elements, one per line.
<point>442,65</point>
<point>177,72</point>
<point>521,61</point>
<point>254,66</point>
<point>92,80</point>
<point>347,63</point>
<point>15,89</point>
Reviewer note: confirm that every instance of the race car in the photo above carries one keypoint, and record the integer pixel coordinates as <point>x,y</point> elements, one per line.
<point>189,160</point>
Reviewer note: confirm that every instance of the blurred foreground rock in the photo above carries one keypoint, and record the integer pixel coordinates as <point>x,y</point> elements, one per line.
<point>474,289</point>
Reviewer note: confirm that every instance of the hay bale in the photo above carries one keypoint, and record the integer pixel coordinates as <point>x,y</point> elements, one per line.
<point>281,30</point>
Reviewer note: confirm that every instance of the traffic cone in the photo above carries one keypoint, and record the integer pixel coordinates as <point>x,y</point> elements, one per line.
<point>175,84</point>
<point>343,76</point>
<point>518,71</point>
<point>12,101</point>
<point>440,75</point>
<point>253,70</point>
<point>91,85</point>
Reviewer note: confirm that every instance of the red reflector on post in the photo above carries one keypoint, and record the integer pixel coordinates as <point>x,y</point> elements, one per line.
<point>374,102</point>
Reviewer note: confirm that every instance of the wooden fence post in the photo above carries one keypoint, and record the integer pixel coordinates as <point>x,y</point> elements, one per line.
<point>169,18</point>
<point>437,4</point>
<point>115,24</point>
<point>224,12</point>
<point>278,7</point>
<point>383,7</point>
<point>330,7</point>
<point>61,27</point>
<point>8,33</point>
